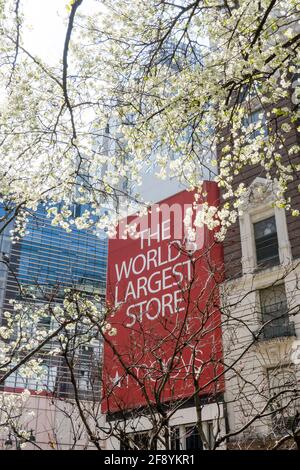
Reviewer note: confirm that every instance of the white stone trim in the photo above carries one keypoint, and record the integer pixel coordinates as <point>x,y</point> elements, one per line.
<point>257,206</point>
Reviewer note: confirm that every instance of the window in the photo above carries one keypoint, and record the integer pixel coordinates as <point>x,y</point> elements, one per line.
<point>85,360</point>
<point>285,398</point>
<point>77,210</point>
<point>175,439</point>
<point>210,434</point>
<point>264,234</point>
<point>186,438</point>
<point>141,440</point>
<point>254,124</point>
<point>135,441</point>
<point>274,313</point>
<point>245,93</point>
<point>192,438</point>
<point>266,242</point>
<point>249,92</point>
<point>125,185</point>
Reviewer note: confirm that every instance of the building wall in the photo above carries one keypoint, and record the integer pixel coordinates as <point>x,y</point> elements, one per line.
<point>232,243</point>
<point>212,415</point>
<point>55,425</point>
<point>248,384</point>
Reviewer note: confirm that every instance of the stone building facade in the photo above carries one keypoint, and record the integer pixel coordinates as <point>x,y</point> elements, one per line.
<point>261,318</point>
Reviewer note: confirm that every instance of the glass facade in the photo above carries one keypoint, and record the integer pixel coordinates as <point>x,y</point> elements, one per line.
<point>47,260</point>
<point>48,257</point>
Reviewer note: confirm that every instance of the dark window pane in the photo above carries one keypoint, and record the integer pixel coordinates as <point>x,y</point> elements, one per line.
<point>175,439</point>
<point>266,241</point>
<point>141,440</point>
<point>192,439</point>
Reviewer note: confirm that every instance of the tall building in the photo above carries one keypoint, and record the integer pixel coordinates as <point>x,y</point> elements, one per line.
<point>45,262</point>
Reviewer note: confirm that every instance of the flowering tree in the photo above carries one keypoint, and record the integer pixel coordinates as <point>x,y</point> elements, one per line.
<point>42,351</point>
<point>173,79</point>
<point>142,393</point>
<point>192,88</point>
<point>166,365</point>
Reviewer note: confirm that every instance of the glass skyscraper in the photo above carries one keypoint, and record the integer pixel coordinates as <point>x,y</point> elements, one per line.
<point>48,256</point>
<point>47,260</point>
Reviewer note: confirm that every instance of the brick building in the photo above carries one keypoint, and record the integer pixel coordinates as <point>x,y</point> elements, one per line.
<point>261,299</point>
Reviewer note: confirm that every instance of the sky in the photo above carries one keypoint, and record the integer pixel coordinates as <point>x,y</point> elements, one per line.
<point>45,33</point>
<point>46,21</point>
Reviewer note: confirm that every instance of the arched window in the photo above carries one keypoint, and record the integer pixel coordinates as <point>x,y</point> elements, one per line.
<point>285,396</point>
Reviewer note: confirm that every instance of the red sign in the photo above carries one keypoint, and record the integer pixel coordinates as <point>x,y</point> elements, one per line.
<point>162,292</point>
